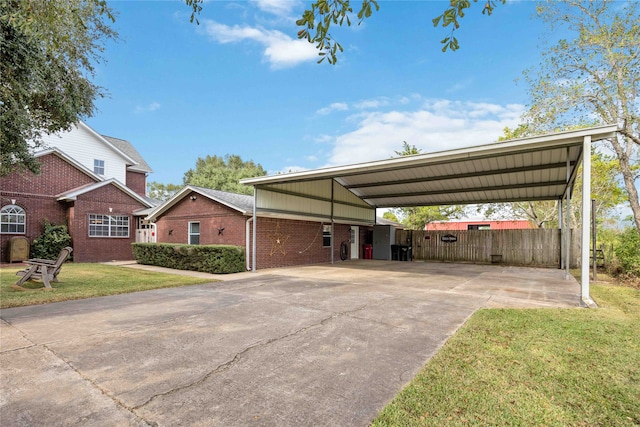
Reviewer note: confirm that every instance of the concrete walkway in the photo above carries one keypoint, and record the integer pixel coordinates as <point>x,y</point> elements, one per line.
<point>313,346</point>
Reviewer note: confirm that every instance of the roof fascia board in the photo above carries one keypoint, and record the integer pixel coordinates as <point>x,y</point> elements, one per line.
<point>535,143</point>
<point>181,194</point>
<point>107,143</point>
<point>163,207</point>
<point>74,194</point>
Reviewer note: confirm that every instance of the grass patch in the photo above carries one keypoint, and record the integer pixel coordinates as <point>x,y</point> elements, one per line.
<point>551,367</point>
<point>84,280</point>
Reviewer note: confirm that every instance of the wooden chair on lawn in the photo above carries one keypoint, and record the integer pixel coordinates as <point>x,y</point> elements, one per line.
<point>43,269</point>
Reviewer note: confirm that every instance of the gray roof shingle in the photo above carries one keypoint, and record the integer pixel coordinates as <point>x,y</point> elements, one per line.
<point>127,148</point>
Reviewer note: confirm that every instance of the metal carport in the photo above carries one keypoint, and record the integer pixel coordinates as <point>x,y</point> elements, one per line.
<point>528,169</point>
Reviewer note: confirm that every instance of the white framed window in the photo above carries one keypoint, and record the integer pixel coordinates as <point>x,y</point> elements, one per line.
<point>108,225</point>
<point>326,236</point>
<point>13,220</point>
<point>194,233</point>
<point>98,166</point>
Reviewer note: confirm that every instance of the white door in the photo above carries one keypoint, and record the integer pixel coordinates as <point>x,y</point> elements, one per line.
<point>355,241</point>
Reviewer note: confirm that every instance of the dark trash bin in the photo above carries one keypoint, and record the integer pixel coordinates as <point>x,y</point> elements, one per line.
<point>405,253</point>
<point>400,253</point>
<point>395,252</point>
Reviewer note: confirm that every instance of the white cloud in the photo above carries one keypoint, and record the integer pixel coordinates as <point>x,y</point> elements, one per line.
<point>372,103</point>
<point>281,51</point>
<point>437,125</point>
<point>276,7</point>
<point>336,106</point>
<point>147,108</point>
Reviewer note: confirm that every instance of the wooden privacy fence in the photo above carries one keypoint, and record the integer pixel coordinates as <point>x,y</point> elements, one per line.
<point>534,247</point>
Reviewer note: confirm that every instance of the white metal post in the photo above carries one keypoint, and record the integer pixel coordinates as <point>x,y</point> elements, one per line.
<point>255,226</point>
<point>586,219</point>
<point>562,228</point>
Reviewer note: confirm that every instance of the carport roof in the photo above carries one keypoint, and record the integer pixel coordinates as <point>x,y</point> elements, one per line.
<point>527,169</point>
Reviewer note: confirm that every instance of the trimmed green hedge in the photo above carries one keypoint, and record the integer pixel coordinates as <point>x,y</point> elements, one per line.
<point>217,259</point>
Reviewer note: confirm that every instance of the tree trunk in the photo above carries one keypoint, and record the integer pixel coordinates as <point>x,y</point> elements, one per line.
<point>623,146</point>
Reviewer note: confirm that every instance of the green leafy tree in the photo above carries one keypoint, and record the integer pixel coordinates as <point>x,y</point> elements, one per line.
<point>223,173</point>
<point>316,22</point>
<point>48,53</point>
<point>162,192</point>
<point>416,218</point>
<point>390,216</point>
<point>605,189</point>
<point>408,150</point>
<point>593,75</point>
<point>628,251</point>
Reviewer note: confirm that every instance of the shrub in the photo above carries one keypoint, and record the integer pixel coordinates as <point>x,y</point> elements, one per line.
<point>628,252</point>
<point>216,259</point>
<point>49,244</point>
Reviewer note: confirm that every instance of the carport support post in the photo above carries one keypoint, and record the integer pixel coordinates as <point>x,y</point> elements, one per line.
<point>567,222</point>
<point>255,226</point>
<point>332,228</point>
<point>586,219</point>
<point>562,228</point>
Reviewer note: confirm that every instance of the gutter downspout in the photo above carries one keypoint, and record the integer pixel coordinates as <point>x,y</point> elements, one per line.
<point>247,251</point>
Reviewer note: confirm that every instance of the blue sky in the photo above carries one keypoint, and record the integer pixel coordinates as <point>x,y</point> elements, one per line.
<point>241,83</point>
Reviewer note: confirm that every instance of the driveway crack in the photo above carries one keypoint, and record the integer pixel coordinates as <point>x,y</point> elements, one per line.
<point>237,356</point>
<point>103,391</point>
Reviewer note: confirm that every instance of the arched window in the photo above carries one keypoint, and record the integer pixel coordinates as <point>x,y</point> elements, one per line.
<point>12,220</point>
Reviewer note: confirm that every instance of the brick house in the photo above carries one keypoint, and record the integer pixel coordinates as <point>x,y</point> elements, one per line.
<point>92,183</point>
<point>197,215</point>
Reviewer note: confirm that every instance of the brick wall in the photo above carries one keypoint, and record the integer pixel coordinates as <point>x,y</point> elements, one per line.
<point>284,243</point>
<point>173,225</point>
<point>106,200</point>
<point>36,194</point>
<point>137,181</point>
<point>300,242</point>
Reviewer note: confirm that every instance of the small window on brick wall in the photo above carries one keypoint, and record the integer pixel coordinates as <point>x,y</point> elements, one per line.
<point>108,225</point>
<point>98,166</point>
<point>326,235</point>
<point>194,233</point>
<point>12,220</point>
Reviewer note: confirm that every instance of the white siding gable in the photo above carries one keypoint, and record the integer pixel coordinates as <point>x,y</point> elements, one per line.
<point>84,147</point>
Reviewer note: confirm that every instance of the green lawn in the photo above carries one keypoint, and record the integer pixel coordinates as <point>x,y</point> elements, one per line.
<point>80,280</point>
<point>535,367</point>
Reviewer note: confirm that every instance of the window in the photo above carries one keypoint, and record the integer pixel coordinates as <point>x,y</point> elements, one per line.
<point>12,219</point>
<point>98,166</point>
<point>326,235</point>
<point>108,225</point>
<point>194,233</point>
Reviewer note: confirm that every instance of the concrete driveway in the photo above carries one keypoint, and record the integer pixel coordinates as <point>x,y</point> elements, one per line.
<point>306,346</point>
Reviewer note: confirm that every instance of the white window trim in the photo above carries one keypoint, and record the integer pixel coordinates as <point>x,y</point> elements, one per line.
<point>111,224</point>
<point>189,233</point>
<point>104,167</point>
<point>18,211</point>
